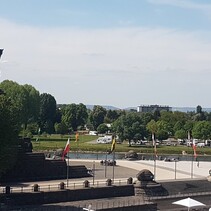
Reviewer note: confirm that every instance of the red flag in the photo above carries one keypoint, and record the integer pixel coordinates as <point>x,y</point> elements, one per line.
<point>194,150</point>
<point>66,149</point>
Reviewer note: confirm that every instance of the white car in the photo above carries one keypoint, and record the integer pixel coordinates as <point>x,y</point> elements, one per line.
<point>201,145</point>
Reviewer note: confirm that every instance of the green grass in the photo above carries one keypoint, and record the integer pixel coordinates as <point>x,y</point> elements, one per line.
<point>55,142</point>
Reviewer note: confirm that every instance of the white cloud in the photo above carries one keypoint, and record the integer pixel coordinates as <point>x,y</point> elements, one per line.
<point>187,4</point>
<point>122,66</point>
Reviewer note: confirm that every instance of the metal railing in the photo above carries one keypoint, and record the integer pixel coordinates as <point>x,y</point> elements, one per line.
<point>57,186</point>
<point>177,195</point>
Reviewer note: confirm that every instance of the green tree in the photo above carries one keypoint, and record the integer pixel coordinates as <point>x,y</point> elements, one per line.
<point>97,116</point>
<point>146,117</point>
<point>198,109</point>
<point>202,130</point>
<point>111,116</point>
<point>102,128</point>
<point>26,98</point>
<point>74,116</point>
<point>162,130</point>
<point>129,127</point>
<point>33,104</point>
<point>81,115</point>
<point>9,129</point>
<point>18,96</point>
<point>180,134</point>
<point>188,128</point>
<point>69,116</point>
<point>178,126</point>
<point>47,113</point>
<point>152,127</point>
<point>60,128</point>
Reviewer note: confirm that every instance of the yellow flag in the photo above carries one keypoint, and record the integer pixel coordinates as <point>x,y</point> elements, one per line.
<point>76,137</point>
<point>113,145</point>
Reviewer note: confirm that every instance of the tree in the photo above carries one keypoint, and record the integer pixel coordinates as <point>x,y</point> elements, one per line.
<point>178,126</point>
<point>162,130</point>
<point>198,109</point>
<point>9,127</point>
<point>111,116</point>
<point>74,116</point>
<point>129,127</point>
<point>33,104</point>
<point>152,127</point>
<point>102,128</point>
<point>81,115</point>
<point>26,98</point>
<point>146,117</point>
<point>69,118</point>
<point>97,116</point>
<point>188,128</point>
<point>47,113</point>
<point>18,96</point>
<point>180,134</point>
<point>60,128</point>
<point>202,130</point>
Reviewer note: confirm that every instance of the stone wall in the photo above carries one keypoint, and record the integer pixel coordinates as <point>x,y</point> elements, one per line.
<point>34,167</point>
<point>66,195</point>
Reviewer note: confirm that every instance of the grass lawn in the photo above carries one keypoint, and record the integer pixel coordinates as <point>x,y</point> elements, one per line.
<point>88,143</point>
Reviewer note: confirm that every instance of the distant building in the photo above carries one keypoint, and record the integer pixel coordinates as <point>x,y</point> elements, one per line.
<point>153,108</point>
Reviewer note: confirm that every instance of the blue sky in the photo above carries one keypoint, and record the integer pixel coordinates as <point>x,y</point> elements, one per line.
<point>109,52</point>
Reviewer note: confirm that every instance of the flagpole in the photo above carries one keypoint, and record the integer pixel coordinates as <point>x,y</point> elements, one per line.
<point>153,138</point>
<point>67,169</point>
<point>106,164</point>
<point>65,152</point>
<point>113,164</point>
<point>93,170</point>
<point>192,168</point>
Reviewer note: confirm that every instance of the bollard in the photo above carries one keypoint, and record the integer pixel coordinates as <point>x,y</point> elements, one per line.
<point>108,182</point>
<point>7,189</point>
<point>86,184</point>
<point>62,186</point>
<point>36,188</point>
<point>130,181</point>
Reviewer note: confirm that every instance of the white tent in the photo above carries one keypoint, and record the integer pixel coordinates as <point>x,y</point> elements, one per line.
<point>188,202</point>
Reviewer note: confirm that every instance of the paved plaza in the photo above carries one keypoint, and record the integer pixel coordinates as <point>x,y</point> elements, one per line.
<point>162,170</point>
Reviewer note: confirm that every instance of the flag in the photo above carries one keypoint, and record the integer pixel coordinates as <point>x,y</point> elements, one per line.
<point>194,150</point>
<point>66,149</point>
<point>1,52</point>
<point>113,145</point>
<point>76,137</point>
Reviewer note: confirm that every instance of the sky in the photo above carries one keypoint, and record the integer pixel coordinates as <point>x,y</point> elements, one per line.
<point>123,53</point>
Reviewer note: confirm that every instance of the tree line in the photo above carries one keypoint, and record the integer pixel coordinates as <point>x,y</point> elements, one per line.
<point>39,113</point>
